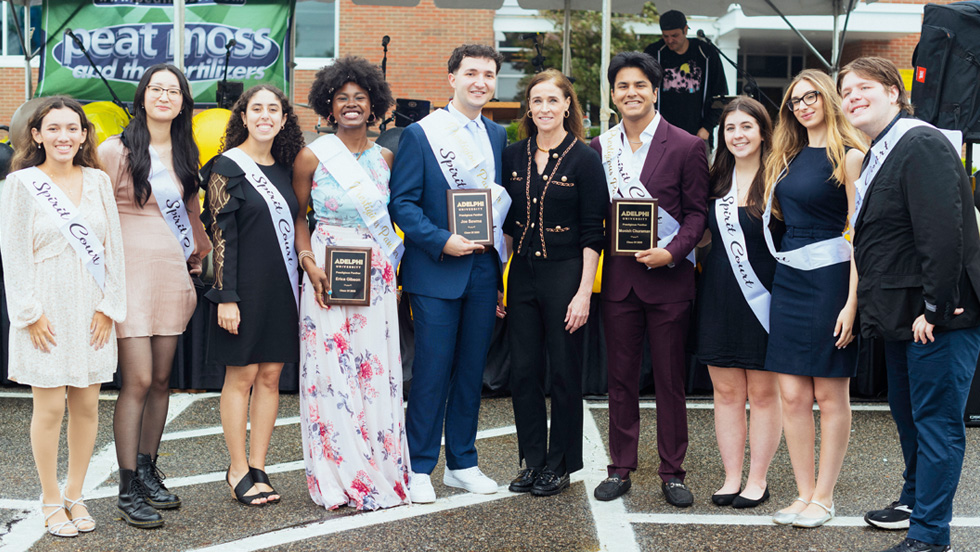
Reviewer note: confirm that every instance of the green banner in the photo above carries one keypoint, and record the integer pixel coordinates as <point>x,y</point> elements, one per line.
<point>124,37</point>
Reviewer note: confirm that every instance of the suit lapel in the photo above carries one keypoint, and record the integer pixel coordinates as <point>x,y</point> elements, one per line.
<point>658,146</point>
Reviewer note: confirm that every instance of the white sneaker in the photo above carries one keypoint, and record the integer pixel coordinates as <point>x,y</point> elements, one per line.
<point>420,488</point>
<point>471,479</point>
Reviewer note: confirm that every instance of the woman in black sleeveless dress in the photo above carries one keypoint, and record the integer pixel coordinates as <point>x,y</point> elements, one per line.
<point>732,335</point>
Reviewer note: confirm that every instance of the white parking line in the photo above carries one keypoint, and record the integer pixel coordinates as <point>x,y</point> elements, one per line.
<point>15,504</point>
<point>710,405</point>
<point>26,394</point>
<point>358,521</point>
<point>728,519</point>
<point>217,430</point>
<point>614,532</point>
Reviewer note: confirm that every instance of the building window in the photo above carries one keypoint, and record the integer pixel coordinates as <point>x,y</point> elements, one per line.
<point>11,40</point>
<point>316,29</point>
<point>511,72</point>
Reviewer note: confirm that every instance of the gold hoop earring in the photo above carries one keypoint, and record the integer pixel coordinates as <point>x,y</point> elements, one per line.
<point>528,114</point>
<point>566,113</point>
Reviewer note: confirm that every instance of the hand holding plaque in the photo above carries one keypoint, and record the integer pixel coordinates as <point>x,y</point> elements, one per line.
<point>471,215</point>
<point>349,276</point>
<point>634,226</point>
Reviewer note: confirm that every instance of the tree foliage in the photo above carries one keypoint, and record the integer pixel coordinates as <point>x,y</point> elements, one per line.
<point>586,46</point>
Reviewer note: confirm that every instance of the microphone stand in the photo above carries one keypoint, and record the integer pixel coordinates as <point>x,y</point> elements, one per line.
<point>750,83</point>
<point>538,60</point>
<point>384,59</point>
<point>384,74</point>
<point>115,98</point>
<point>228,93</point>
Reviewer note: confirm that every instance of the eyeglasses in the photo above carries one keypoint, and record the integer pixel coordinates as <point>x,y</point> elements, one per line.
<point>172,93</point>
<point>809,98</point>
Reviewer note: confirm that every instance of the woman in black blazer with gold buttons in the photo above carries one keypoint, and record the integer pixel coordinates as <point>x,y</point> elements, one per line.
<point>556,228</point>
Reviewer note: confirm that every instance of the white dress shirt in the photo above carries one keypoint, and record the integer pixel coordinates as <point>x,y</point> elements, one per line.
<point>479,132</point>
<point>637,158</point>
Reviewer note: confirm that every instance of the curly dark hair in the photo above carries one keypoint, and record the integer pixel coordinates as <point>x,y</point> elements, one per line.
<point>136,138</point>
<point>347,69</point>
<point>285,146</point>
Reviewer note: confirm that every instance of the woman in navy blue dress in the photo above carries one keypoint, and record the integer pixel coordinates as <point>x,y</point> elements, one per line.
<point>816,157</point>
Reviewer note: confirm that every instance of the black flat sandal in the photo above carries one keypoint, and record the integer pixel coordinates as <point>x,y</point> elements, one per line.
<point>259,476</point>
<point>243,486</point>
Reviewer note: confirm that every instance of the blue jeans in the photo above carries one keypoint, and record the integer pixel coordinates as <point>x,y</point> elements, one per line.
<point>928,385</point>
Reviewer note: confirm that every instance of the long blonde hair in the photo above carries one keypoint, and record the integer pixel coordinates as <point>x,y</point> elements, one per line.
<point>790,137</point>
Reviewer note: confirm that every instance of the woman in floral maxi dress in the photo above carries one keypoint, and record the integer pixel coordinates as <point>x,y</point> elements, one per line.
<point>354,440</point>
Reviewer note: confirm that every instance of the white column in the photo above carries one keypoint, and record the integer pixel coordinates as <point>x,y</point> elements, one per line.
<point>728,44</point>
<point>604,111</point>
<point>179,34</point>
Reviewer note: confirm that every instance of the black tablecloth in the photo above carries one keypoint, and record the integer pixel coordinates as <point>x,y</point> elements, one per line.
<point>190,371</point>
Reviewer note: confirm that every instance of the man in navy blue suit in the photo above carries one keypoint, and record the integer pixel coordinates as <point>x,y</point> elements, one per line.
<point>453,283</point>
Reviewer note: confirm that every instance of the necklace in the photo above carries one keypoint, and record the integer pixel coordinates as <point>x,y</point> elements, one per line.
<point>70,186</point>
<point>364,147</point>
<point>548,150</point>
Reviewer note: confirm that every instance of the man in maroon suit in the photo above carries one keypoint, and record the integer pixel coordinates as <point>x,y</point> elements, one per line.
<point>647,157</point>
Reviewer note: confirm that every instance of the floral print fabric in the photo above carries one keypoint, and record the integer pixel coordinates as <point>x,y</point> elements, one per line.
<point>354,442</point>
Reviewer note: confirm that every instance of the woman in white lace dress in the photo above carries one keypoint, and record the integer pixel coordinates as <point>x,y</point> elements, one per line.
<point>65,283</point>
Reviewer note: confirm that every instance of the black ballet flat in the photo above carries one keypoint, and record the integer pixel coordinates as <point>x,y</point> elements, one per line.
<point>724,499</point>
<point>243,486</point>
<point>259,476</point>
<point>742,502</point>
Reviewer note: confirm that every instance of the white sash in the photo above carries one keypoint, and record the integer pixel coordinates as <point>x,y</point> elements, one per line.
<point>171,204</point>
<point>282,218</point>
<point>624,184</point>
<point>71,223</point>
<point>756,294</point>
<point>879,152</point>
<point>371,205</point>
<point>811,256</point>
<point>464,166</point>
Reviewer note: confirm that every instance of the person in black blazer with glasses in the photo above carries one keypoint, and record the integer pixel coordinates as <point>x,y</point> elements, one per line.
<point>555,226</point>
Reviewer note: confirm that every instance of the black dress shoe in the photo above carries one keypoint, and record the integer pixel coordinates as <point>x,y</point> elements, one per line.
<point>724,499</point>
<point>677,493</point>
<point>549,483</point>
<point>612,487</point>
<point>742,502</point>
<point>524,480</point>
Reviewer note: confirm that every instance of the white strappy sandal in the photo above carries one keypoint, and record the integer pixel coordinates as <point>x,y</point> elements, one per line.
<point>787,518</point>
<point>69,504</point>
<point>56,528</point>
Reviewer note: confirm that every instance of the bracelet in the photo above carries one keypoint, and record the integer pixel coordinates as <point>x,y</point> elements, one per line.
<point>303,255</point>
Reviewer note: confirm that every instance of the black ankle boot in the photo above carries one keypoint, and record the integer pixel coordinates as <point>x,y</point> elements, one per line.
<point>157,494</point>
<point>132,505</point>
